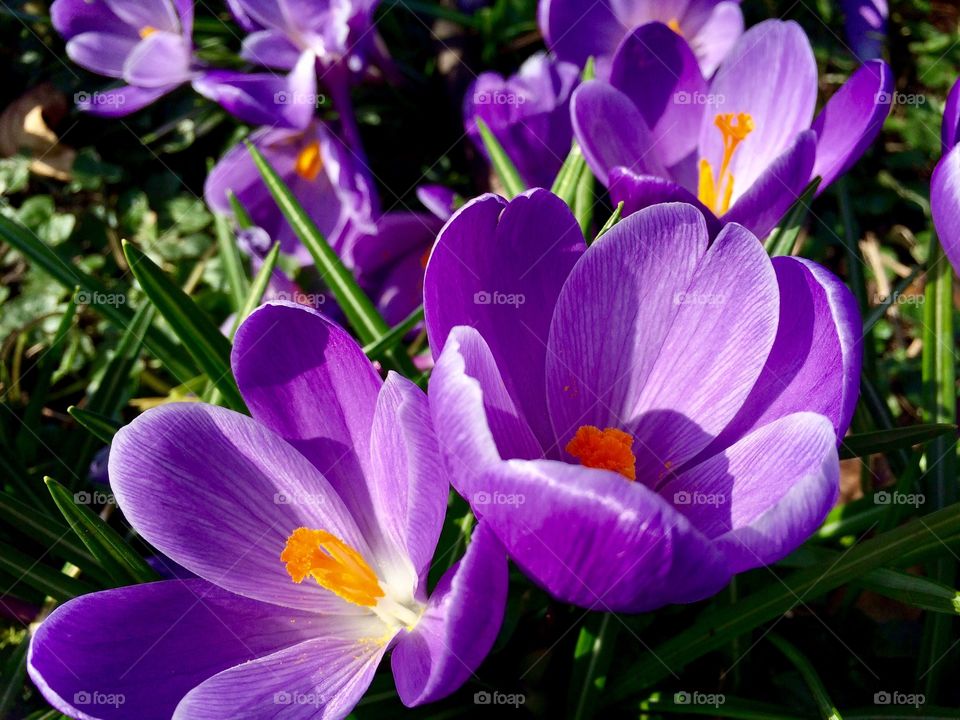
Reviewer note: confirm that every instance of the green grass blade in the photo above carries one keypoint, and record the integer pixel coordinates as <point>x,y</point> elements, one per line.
<point>392,339</point>
<point>258,288</point>
<point>240,214</point>
<point>828,710</point>
<point>513,184</point>
<point>41,577</point>
<point>592,657</point>
<point>940,478</point>
<point>232,261</point>
<point>611,221</point>
<point>584,201</point>
<point>209,348</point>
<point>724,706</point>
<point>884,441</point>
<point>14,672</point>
<point>784,237</point>
<point>568,179</point>
<point>117,558</point>
<point>100,426</point>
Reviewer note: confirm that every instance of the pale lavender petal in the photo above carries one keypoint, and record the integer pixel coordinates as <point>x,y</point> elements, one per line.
<point>950,131</point>
<point>73,17</point>
<point>121,101</point>
<point>771,74</point>
<point>851,120</point>
<point>766,494</point>
<point>307,380</point>
<point>612,132</point>
<point>319,679</point>
<point>779,186</point>
<point>658,71</point>
<point>499,267</point>
<point>140,14</point>
<point>438,199</point>
<point>101,52</point>
<point>945,203</point>
<point>220,494</point>
<point>714,40</point>
<point>459,626</point>
<point>136,651</point>
<point>270,48</point>
<point>161,59</point>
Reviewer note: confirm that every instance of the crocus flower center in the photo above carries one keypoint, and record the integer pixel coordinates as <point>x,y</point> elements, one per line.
<point>675,26</point>
<point>309,162</point>
<point>716,191</point>
<point>146,31</point>
<point>604,449</point>
<point>333,564</point>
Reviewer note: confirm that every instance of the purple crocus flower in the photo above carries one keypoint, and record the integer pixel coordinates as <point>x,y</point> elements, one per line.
<point>865,22</point>
<point>945,183</point>
<point>742,147</point>
<point>324,175</point>
<point>311,527</point>
<point>529,113</point>
<point>638,420</point>
<point>145,43</point>
<point>576,30</point>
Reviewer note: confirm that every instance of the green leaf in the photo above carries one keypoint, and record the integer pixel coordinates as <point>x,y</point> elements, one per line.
<point>592,657</point>
<point>513,184</point>
<point>119,560</point>
<point>392,339</point>
<point>100,426</point>
<point>41,577</point>
<point>883,441</point>
<point>584,201</point>
<point>716,626</point>
<point>724,706</point>
<point>568,178</point>
<point>110,304</point>
<point>784,237</point>
<point>258,288</point>
<point>196,331</point>
<point>828,710</point>
<point>358,308</point>
<point>232,262</point>
<point>14,672</point>
<point>611,221</point>
<point>240,214</point>
<point>940,478</point>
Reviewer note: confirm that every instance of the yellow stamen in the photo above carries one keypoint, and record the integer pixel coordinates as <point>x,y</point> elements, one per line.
<point>147,31</point>
<point>309,162</point>
<point>675,26</point>
<point>716,192</point>
<point>604,449</point>
<point>333,564</point>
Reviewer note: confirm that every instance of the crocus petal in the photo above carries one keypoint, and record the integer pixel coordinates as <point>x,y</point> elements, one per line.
<point>270,48</point>
<point>220,494</point>
<point>815,361</point>
<point>136,651</point>
<point>594,539</point>
<point>713,42</point>
<point>499,267</point>
<point>476,420</point>
<point>950,131</point>
<point>637,192</point>
<point>771,74</point>
<point>612,132</point>
<point>162,59</point>
<point>766,494</point>
<point>319,679</point>
<point>307,380</point>
<point>576,31</point>
<point>264,98</point>
<point>779,186</point>
<point>101,52</point>
<point>657,70</point>
<point>459,626</point>
<point>409,484</point>
<point>157,14</point>
<point>945,203</point>
<point>121,101</point>
<point>73,17</point>
<point>851,120</point>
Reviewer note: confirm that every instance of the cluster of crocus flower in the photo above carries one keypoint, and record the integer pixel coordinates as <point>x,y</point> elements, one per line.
<point>632,422</point>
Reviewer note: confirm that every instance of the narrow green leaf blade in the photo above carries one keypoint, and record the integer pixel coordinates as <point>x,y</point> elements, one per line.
<point>258,288</point>
<point>41,577</point>
<point>232,261</point>
<point>100,426</point>
<point>883,441</point>
<point>783,238</point>
<point>828,710</point>
<point>513,184</point>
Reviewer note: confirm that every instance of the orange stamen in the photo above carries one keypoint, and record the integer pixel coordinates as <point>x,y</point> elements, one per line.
<point>717,192</point>
<point>147,31</point>
<point>604,449</point>
<point>309,162</point>
<point>675,26</point>
<point>333,564</point>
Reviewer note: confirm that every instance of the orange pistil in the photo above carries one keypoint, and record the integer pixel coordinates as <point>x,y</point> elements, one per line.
<point>675,26</point>
<point>333,564</point>
<point>605,450</point>
<point>146,31</point>
<point>717,192</point>
<point>309,162</point>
